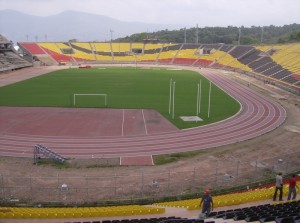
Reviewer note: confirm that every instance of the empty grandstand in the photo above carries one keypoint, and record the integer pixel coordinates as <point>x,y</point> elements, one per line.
<point>277,64</point>
<point>9,59</point>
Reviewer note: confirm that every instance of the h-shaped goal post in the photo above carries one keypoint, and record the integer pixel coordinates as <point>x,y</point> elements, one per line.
<point>101,95</point>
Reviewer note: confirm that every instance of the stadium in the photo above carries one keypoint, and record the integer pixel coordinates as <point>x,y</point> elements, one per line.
<point>135,132</point>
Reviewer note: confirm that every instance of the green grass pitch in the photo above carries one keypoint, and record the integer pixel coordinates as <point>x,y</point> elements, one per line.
<point>126,88</point>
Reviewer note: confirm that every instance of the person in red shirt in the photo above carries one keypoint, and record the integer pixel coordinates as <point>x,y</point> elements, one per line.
<point>292,187</point>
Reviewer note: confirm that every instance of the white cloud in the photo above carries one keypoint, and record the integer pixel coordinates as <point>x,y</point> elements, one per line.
<point>185,12</point>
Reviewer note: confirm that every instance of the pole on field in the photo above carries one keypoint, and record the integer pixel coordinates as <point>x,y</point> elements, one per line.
<point>170,97</point>
<point>200,87</point>
<point>173,99</point>
<point>197,100</point>
<point>209,99</point>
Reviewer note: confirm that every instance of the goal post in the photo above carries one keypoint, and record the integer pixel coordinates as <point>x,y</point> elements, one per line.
<point>101,95</point>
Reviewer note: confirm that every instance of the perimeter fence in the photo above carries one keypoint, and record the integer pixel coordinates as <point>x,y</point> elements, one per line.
<point>220,175</point>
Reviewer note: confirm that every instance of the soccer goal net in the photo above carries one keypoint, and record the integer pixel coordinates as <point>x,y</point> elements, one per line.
<point>103,97</point>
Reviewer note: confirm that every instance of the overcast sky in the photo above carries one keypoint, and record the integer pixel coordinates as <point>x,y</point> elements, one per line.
<point>185,12</point>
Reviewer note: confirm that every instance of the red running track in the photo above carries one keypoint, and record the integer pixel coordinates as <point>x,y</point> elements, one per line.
<point>258,115</point>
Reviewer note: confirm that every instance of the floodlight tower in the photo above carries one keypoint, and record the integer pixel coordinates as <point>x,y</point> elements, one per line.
<point>197,34</point>
<point>262,35</point>
<point>239,40</point>
<point>111,35</point>
<point>184,35</point>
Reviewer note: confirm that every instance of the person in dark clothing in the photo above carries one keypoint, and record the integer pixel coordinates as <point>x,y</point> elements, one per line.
<point>206,203</point>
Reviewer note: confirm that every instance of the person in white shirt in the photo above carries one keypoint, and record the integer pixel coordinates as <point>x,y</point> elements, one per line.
<point>279,186</point>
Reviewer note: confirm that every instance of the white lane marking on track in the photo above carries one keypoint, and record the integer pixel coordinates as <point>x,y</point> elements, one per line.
<point>123,123</point>
<point>144,122</point>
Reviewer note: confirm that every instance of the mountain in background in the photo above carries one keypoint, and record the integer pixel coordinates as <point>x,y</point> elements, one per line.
<point>70,25</point>
<point>20,27</point>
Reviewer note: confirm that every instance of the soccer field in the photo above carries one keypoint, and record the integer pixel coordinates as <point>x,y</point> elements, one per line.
<point>125,88</point>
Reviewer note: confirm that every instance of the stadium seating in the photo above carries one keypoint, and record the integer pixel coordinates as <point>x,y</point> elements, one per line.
<point>237,60</point>
<point>279,212</point>
<point>271,61</point>
<point>54,51</point>
<point>289,211</point>
<point>9,59</point>
<point>33,48</point>
<point>83,51</point>
<point>288,56</point>
<point>121,53</point>
<point>120,47</point>
<point>137,46</point>
<point>280,63</point>
<point>150,53</point>
<point>102,51</point>
<point>187,54</point>
<point>77,212</point>
<point>228,199</point>
<point>167,53</point>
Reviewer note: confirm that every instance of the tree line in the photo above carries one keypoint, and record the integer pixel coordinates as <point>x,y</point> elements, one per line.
<point>227,35</point>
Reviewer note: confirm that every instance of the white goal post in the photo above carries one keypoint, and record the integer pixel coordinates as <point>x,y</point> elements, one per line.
<point>101,95</point>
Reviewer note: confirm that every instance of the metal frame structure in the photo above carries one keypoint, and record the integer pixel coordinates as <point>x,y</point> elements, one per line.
<point>40,151</point>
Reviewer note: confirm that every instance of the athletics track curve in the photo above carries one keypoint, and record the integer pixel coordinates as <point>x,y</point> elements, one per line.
<point>258,115</point>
